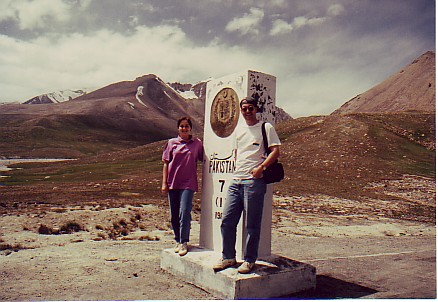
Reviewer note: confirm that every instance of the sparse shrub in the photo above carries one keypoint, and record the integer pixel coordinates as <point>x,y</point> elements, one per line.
<point>102,235</point>
<point>113,235</point>
<point>123,226</point>
<point>59,210</point>
<point>149,238</point>
<point>124,232</point>
<point>45,230</point>
<point>68,228</point>
<point>163,227</point>
<point>5,246</point>
<point>71,227</point>
<point>127,238</point>
<point>116,225</point>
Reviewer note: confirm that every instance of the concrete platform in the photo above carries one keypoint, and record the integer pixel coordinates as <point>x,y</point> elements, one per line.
<point>273,276</point>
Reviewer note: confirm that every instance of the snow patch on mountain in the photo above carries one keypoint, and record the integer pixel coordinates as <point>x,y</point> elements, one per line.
<point>165,92</point>
<point>139,94</point>
<point>187,94</point>
<point>65,95</point>
<point>184,90</point>
<point>58,96</point>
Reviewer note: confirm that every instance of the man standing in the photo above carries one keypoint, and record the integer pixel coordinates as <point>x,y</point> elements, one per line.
<point>247,190</point>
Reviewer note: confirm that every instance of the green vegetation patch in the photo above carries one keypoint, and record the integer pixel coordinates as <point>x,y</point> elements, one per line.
<point>79,172</point>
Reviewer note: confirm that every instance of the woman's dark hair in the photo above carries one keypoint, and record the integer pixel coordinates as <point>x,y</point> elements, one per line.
<point>184,118</point>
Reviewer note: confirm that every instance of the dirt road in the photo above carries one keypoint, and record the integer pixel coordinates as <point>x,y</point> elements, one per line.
<point>377,259</point>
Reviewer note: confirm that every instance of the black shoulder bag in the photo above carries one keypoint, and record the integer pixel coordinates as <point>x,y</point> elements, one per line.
<point>275,171</point>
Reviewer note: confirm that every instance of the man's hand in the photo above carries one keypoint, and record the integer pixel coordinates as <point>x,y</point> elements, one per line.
<point>257,172</point>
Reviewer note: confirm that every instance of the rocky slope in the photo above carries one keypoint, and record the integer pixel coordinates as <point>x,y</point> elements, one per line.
<point>340,155</point>
<point>412,88</point>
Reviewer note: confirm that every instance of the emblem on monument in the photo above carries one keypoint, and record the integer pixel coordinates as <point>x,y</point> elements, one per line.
<point>224,112</point>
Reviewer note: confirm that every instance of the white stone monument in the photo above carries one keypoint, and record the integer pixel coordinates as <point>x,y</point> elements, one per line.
<point>222,118</point>
<point>273,275</point>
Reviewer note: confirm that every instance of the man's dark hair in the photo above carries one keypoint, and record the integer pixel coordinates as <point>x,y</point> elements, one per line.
<point>250,101</point>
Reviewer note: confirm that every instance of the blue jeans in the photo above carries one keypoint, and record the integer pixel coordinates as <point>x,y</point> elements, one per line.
<point>180,213</point>
<point>243,195</point>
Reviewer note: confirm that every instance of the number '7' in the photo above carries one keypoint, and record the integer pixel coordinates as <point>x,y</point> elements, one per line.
<point>222,181</point>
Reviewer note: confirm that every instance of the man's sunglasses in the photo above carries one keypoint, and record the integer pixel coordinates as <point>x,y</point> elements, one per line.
<point>249,108</point>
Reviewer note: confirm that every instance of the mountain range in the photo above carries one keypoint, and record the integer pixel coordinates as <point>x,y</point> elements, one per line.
<point>342,160</point>
<point>132,113</point>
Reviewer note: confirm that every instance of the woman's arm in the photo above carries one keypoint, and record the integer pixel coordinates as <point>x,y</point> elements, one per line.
<point>164,186</point>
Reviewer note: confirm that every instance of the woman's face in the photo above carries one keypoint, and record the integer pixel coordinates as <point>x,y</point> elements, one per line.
<point>184,129</point>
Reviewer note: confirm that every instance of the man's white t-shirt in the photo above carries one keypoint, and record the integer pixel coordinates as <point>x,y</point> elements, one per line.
<point>250,151</point>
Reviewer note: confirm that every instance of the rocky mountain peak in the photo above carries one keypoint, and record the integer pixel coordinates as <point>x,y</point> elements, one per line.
<point>410,89</point>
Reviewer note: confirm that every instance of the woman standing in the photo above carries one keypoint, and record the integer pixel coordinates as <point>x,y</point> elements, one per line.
<point>180,180</point>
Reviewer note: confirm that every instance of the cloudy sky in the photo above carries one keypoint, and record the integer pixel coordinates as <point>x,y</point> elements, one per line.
<point>323,52</point>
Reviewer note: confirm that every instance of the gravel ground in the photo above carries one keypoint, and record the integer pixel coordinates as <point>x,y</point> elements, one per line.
<point>113,253</point>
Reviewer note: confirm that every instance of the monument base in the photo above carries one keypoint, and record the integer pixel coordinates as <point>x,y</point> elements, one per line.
<point>273,276</point>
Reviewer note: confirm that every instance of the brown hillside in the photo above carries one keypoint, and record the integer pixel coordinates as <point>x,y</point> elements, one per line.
<point>343,155</point>
<point>348,158</point>
<point>159,103</point>
<point>115,117</point>
<point>108,119</point>
<point>412,88</point>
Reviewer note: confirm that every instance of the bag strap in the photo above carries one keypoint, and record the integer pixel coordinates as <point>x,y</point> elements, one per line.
<point>265,140</point>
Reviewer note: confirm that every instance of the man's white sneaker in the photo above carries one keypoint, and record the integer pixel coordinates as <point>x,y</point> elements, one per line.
<point>183,249</point>
<point>246,267</point>
<point>177,247</point>
<point>223,264</point>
